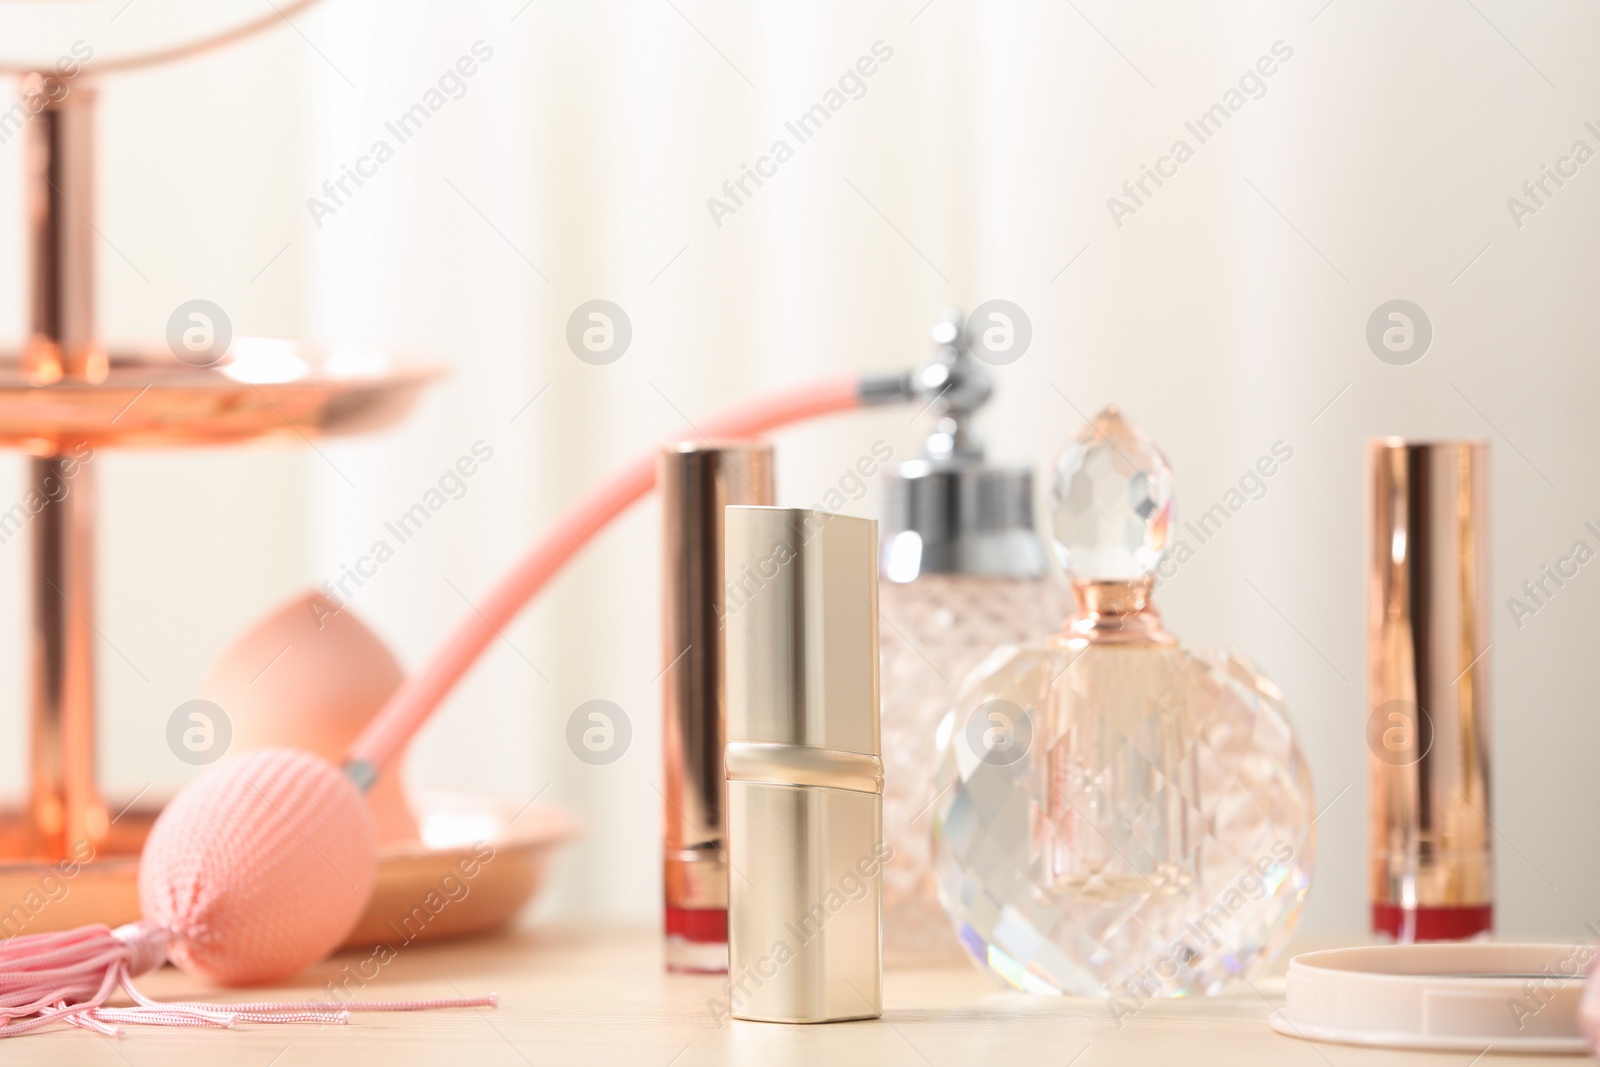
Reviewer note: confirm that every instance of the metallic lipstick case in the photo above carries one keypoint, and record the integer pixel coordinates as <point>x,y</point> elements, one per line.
<point>804,773</point>
<point>697,482</point>
<point>1432,873</point>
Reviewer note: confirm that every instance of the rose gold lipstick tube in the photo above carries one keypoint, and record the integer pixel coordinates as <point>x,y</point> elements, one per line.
<point>1432,874</point>
<point>805,774</point>
<point>697,482</point>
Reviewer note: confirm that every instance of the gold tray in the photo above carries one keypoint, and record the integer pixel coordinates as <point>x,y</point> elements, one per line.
<point>263,387</point>
<point>423,891</point>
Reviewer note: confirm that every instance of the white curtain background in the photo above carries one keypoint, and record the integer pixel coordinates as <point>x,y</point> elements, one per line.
<point>1225,315</point>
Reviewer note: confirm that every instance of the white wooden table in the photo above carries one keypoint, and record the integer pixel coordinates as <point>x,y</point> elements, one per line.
<point>593,995</point>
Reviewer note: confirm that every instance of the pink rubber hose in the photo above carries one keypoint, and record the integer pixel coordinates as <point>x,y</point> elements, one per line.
<point>410,706</point>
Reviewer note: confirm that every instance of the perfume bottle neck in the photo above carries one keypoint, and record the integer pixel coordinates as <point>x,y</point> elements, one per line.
<point>1117,612</point>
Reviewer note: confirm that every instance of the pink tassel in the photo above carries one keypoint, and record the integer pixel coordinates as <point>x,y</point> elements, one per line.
<point>67,977</point>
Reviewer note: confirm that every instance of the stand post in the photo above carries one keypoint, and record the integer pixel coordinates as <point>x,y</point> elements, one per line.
<point>65,809</point>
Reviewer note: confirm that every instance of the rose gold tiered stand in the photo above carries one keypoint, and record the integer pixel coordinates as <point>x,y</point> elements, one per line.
<point>65,391</point>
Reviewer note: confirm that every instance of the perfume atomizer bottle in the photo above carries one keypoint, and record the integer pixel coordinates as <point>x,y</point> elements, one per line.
<point>963,572</point>
<point>804,767</point>
<point>1428,730</point>
<point>697,482</point>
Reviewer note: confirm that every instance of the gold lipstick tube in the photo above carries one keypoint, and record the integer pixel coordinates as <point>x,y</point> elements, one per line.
<point>1432,873</point>
<point>804,767</point>
<point>697,482</point>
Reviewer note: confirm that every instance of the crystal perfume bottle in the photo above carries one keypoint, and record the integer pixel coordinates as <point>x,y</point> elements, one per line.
<point>1119,816</point>
<point>962,570</point>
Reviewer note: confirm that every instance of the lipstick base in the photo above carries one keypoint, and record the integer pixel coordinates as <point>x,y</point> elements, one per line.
<point>1410,925</point>
<point>697,940</point>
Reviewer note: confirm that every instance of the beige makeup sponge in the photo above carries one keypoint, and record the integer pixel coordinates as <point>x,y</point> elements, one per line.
<point>309,676</point>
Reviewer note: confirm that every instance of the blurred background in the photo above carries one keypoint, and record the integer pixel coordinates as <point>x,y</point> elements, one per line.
<point>1225,309</point>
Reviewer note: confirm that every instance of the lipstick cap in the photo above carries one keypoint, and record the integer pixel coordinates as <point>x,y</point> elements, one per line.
<point>1432,875</point>
<point>805,777</point>
<point>697,481</point>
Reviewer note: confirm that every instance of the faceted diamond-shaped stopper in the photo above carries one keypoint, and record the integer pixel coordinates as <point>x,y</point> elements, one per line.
<point>1113,491</point>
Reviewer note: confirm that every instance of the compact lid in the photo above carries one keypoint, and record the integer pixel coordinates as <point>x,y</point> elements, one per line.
<point>800,623</point>
<point>1465,996</point>
<point>952,511</point>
